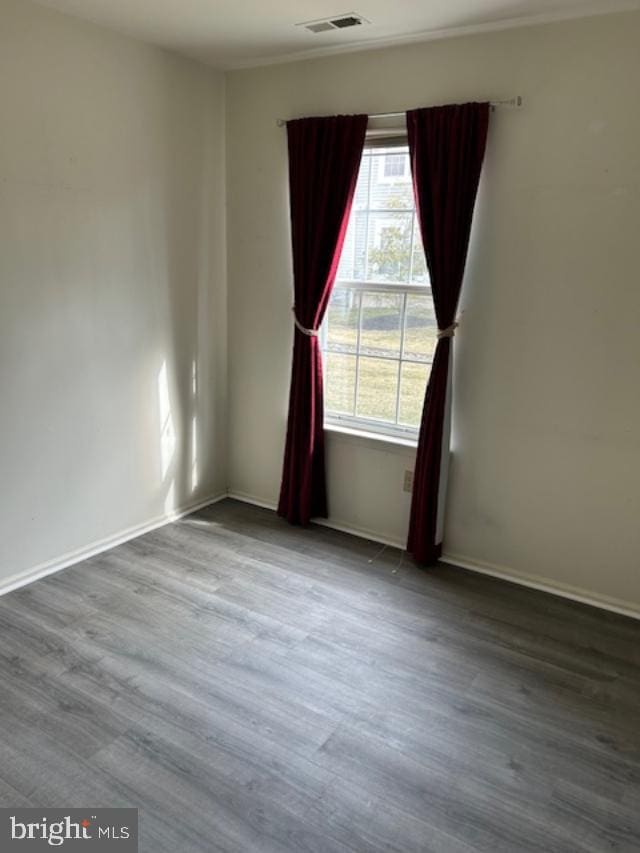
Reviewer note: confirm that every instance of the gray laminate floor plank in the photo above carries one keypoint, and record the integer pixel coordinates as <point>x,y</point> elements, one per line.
<point>255,687</point>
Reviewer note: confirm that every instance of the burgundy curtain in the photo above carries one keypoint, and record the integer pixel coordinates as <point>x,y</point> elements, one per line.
<point>446,146</point>
<point>324,158</point>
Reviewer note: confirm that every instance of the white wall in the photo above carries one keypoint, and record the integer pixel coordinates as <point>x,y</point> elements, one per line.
<point>112,285</point>
<point>545,480</point>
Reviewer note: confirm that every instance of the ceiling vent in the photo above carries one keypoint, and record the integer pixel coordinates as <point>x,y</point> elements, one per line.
<point>322,27</point>
<point>347,21</point>
<point>336,22</point>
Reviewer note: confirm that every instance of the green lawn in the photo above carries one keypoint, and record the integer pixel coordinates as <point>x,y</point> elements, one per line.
<point>377,385</point>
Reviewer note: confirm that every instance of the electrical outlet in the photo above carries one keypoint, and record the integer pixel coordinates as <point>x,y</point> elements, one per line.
<point>408,481</point>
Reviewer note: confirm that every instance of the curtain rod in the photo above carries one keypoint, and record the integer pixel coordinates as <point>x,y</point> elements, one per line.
<point>515,102</point>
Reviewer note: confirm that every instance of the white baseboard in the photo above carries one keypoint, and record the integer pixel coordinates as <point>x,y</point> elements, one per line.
<point>603,602</point>
<point>506,574</point>
<point>50,567</point>
<point>483,568</point>
<point>250,499</point>
<point>360,532</point>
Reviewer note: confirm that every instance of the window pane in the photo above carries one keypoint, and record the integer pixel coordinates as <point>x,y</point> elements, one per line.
<point>419,273</point>
<point>413,385</point>
<point>347,258</point>
<point>421,329</point>
<point>391,193</point>
<point>394,165</point>
<point>361,195</point>
<point>389,253</point>
<point>352,261</point>
<point>340,382</point>
<point>377,388</point>
<point>342,321</point>
<point>391,181</point>
<point>381,319</point>
<point>363,333</point>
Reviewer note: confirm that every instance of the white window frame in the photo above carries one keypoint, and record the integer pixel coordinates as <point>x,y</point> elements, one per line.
<point>358,422</point>
<point>336,420</point>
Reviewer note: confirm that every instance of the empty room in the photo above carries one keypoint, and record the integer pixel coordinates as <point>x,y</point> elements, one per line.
<point>320,426</point>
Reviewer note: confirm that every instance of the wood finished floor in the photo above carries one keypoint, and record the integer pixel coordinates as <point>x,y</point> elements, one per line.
<point>254,687</point>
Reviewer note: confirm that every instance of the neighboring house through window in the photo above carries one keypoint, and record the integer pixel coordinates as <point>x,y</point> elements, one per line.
<point>395,168</point>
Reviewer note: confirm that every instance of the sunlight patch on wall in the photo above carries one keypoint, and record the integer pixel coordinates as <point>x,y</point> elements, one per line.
<point>167,429</point>
<point>194,427</point>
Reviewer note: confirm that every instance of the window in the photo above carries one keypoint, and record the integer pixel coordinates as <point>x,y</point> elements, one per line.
<point>379,332</point>
<point>396,167</point>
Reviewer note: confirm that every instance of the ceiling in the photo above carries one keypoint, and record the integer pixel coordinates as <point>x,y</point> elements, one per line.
<point>238,33</point>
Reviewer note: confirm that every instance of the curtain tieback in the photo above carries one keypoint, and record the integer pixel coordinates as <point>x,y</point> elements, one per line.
<point>311,333</point>
<point>449,332</point>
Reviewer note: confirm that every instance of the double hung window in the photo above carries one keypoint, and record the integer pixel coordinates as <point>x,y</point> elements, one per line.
<point>379,333</point>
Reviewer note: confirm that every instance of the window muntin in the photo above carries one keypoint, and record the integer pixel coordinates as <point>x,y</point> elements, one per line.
<point>379,333</point>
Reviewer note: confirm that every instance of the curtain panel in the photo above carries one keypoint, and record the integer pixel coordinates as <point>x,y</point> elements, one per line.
<point>324,159</point>
<point>446,147</point>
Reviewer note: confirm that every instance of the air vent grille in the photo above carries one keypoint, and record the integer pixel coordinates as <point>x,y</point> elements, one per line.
<point>322,27</point>
<point>336,22</point>
<point>349,21</point>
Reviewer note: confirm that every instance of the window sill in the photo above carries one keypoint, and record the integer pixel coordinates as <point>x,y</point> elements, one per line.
<point>379,440</point>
